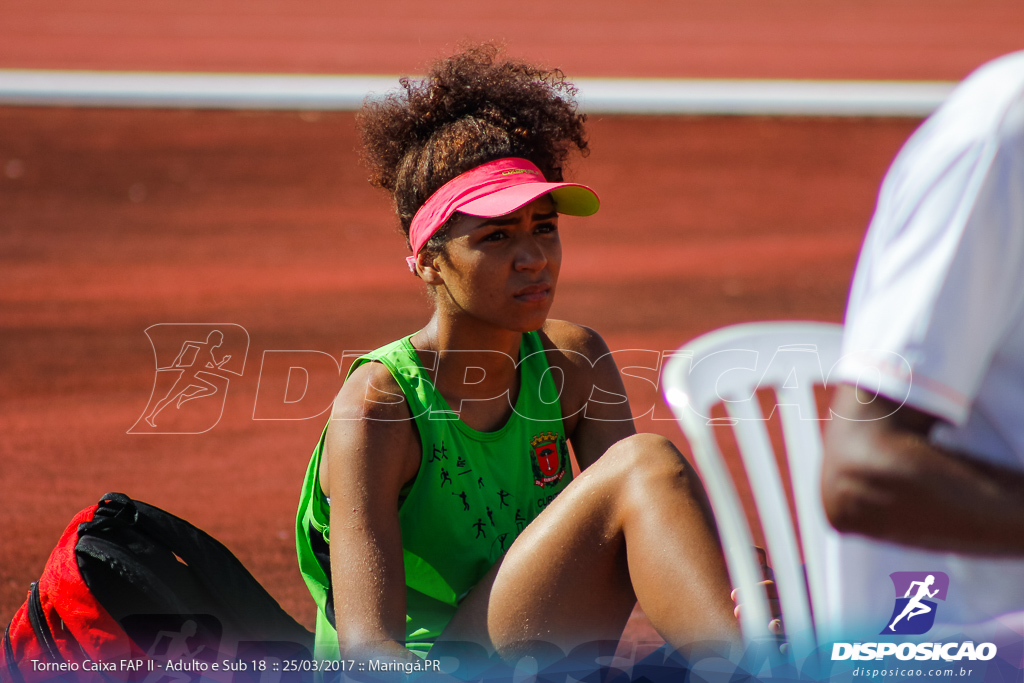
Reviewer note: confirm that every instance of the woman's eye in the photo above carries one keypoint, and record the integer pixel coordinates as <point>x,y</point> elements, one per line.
<point>495,236</point>
<point>546,228</point>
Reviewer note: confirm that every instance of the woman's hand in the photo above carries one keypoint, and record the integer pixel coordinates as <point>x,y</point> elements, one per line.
<point>768,583</point>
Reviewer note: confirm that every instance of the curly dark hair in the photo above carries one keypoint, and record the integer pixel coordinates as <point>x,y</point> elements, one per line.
<point>471,108</point>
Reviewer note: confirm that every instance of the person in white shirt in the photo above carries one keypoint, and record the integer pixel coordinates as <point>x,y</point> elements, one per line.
<point>929,460</point>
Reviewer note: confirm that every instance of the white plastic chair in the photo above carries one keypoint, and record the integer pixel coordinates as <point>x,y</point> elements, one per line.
<point>729,365</point>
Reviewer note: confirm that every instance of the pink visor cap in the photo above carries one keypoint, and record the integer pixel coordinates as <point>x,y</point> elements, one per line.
<point>495,189</point>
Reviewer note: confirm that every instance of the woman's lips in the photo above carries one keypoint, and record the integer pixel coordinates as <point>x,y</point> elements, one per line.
<point>533,293</point>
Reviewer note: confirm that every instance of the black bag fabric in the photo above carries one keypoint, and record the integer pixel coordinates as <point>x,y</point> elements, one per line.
<point>138,559</point>
<point>130,580</point>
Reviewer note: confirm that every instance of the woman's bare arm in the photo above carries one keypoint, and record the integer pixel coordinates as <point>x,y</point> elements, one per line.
<point>594,396</point>
<point>372,450</point>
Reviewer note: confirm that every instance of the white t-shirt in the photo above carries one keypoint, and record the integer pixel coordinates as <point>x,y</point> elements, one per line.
<point>936,317</point>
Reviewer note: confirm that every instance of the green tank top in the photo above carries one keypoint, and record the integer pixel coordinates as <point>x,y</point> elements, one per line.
<point>472,496</point>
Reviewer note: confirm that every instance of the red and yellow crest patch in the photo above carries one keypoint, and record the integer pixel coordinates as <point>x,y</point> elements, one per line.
<point>549,458</point>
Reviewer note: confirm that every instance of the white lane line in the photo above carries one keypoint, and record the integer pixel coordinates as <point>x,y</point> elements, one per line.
<point>768,97</point>
<point>346,93</point>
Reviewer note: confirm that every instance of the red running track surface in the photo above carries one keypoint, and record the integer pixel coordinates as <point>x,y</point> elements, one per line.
<point>113,221</point>
<point>859,39</point>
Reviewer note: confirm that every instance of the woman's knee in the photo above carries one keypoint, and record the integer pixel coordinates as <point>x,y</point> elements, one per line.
<point>652,473</point>
<point>642,463</point>
<point>646,455</point>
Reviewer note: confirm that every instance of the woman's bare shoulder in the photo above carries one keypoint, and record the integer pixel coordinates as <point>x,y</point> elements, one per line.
<point>371,429</point>
<point>583,357</point>
<point>372,393</point>
<point>593,396</point>
<point>574,341</point>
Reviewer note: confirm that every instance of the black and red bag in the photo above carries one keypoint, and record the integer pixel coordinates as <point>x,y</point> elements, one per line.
<point>129,587</point>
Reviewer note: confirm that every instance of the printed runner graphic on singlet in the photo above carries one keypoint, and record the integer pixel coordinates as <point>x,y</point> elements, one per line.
<point>549,459</point>
<point>501,544</point>
<point>439,453</point>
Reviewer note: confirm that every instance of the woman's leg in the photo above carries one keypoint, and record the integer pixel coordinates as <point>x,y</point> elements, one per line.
<point>634,526</point>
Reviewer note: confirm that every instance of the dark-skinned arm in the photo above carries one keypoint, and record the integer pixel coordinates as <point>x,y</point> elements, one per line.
<point>882,478</point>
<point>604,415</point>
<point>371,452</point>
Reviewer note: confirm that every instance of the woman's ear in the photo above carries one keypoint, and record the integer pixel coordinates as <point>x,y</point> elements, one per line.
<point>427,267</point>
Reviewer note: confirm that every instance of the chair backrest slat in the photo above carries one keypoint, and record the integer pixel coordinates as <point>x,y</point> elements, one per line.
<point>730,365</point>
<point>780,536</point>
<point>739,554</point>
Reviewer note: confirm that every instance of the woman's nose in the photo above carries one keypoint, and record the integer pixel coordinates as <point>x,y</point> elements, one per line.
<point>530,254</point>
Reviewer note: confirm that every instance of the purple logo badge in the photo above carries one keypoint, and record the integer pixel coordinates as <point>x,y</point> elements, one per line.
<point>916,592</point>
